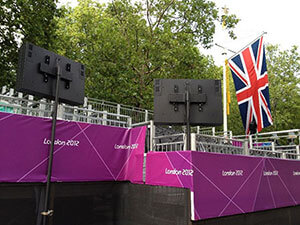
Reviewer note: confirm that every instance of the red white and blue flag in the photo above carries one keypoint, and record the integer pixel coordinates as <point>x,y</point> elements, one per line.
<point>249,72</point>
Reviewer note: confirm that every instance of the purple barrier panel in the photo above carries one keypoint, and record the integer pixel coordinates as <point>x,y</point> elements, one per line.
<point>279,185</point>
<point>132,168</point>
<point>169,169</point>
<point>224,184</point>
<point>22,150</point>
<point>228,184</point>
<point>82,152</point>
<point>101,153</point>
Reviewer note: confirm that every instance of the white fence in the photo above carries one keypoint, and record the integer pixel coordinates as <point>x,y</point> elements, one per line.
<point>226,145</point>
<point>112,114</point>
<point>137,115</point>
<point>16,102</point>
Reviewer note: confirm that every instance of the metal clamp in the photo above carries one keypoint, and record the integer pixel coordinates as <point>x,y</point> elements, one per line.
<point>48,213</point>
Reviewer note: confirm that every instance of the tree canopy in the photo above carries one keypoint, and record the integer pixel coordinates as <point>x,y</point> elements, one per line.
<point>24,20</point>
<point>284,78</point>
<point>126,45</point>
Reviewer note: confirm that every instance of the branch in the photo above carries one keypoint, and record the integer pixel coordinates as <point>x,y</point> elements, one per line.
<point>163,13</point>
<point>149,16</point>
<point>135,69</point>
<point>152,71</point>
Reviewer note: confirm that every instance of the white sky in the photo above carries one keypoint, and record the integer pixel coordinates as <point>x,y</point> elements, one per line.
<point>280,19</point>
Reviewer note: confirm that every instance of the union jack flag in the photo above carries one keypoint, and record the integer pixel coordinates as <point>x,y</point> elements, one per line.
<point>249,72</point>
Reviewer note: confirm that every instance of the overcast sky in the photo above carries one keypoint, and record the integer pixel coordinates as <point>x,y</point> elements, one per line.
<point>280,19</point>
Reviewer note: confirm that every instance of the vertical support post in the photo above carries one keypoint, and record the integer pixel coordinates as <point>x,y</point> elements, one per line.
<point>30,99</point>
<point>85,102</point>
<point>104,122</point>
<point>129,122</point>
<point>11,92</point>
<point>213,130</point>
<point>298,138</point>
<point>89,113</point>
<point>60,111</point>
<point>20,99</point>
<point>146,115</point>
<point>48,212</point>
<point>184,142</point>
<point>188,126</point>
<point>193,142</point>
<point>230,134</point>
<point>20,95</point>
<point>246,149</point>
<point>42,107</point>
<point>250,142</point>
<point>273,146</point>
<point>152,135</point>
<point>118,110</point>
<point>3,91</point>
<point>298,151</point>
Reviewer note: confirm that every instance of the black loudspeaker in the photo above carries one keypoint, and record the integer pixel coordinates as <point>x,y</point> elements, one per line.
<point>37,74</point>
<point>205,102</point>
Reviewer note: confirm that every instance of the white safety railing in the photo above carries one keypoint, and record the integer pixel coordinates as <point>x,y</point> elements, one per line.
<point>276,138</point>
<point>113,114</point>
<point>16,102</point>
<point>137,115</point>
<point>217,144</point>
<point>93,116</point>
<point>223,144</point>
<point>172,142</point>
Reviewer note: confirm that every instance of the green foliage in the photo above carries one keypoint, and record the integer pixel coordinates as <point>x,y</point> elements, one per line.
<point>284,78</point>
<point>24,20</point>
<point>235,123</point>
<point>125,46</point>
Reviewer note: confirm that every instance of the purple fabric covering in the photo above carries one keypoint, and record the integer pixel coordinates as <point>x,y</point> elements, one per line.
<point>82,152</point>
<point>227,184</point>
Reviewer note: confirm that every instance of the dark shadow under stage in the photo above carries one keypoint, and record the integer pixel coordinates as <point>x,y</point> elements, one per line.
<point>118,203</point>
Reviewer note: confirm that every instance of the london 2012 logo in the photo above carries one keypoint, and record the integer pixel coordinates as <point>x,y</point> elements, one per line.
<point>128,147</point>
<point>58,142</point>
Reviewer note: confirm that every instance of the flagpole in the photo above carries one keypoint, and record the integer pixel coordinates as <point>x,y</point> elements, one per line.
<point>225,128</point>
<point>263,33</point>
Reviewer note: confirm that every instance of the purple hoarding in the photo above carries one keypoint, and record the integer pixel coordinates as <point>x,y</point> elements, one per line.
<point>82,152</point>
<point>227,184</point>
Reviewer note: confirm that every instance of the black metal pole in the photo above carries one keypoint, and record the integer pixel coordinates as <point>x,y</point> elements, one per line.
<point>47,212</point>
<point>188,126</point>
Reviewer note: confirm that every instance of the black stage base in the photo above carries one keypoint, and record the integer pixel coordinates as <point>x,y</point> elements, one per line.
<point>118,203</point>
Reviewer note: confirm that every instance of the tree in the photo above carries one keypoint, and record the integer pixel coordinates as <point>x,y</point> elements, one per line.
<point>284,79</point>
<point>24,20</point>
<point>125,46</point>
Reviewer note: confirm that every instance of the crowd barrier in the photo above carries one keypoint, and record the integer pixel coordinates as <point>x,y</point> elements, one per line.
<point>220,184</point>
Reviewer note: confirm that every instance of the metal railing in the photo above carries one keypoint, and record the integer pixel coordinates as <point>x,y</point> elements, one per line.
<point>217,144</point>
<point>223,145</point>
<point>113,114</point>
<point>172,142</point>
<point>16,102</point>
<point>93,116</point>
<point>137,115</point>
<point>212,131</point>
<point>273,137</point>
